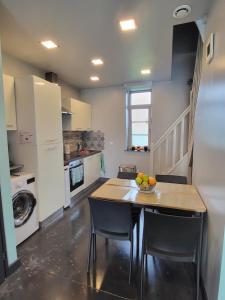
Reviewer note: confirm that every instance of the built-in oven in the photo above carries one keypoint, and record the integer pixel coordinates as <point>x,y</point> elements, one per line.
<point>76,174</point>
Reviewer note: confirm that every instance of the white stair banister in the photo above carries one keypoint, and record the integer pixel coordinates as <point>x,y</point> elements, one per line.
<point>169,150</point>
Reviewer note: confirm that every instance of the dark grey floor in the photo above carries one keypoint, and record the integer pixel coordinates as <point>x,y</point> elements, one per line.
<point>54,267</point>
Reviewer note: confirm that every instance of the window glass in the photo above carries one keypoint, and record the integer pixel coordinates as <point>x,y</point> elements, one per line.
<point>140,128</point>
<point>139,140</point>
<point>139,115</point>
<point>142,98</point>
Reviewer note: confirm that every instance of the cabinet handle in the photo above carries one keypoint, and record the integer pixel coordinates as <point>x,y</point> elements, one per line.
<point>9,125</point>
<point>51,140</point>
<point>78,128</point>
<point>51,148</point>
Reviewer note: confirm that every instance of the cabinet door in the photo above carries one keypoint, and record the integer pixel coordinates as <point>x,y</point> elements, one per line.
<point>47,97</point>
<point>96,167</point>
<point>51,185</point>
<point>87,171</point>
<point>10,104</point>
<point>81,117</point>
<point>91,169</point>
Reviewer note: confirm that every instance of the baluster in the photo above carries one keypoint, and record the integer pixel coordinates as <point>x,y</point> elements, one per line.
<point>174,146</point>
<point>182,139</point>
<point>167,154</point>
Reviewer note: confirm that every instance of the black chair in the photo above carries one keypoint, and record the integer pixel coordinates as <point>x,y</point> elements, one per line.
<point>127,175</point>
<point>174,238</point>
<point>171,179</point>
<point>136,211</point>
<point>111,220</point>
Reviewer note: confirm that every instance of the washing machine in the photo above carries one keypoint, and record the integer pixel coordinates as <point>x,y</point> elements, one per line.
<point>25,208</point>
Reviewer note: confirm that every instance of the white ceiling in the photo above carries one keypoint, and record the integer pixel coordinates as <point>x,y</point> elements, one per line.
<point>89,28</point>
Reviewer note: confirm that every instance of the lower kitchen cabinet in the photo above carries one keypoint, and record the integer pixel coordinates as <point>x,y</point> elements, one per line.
<point>92,169</point>
<point>51,190</point>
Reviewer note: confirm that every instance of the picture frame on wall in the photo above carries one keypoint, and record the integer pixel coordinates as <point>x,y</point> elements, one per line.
<point>210,48</point>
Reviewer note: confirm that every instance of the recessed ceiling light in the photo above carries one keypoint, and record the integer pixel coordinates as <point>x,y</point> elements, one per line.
<point>145,71</point>
<point>49,44</point>
<point>127,25</point>
<point>97,61</point>
<point>182,11</point>
<point>94,78</point>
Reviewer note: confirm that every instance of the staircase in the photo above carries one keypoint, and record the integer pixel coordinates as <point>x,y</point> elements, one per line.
<point>170,153</point>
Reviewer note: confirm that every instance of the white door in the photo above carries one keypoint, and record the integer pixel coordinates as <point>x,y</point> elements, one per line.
<point>10,104</point>
<point>51,186</point>
<point>47,112</point>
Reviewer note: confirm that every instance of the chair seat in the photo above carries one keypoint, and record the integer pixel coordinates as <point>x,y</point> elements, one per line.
<point>177,257</point>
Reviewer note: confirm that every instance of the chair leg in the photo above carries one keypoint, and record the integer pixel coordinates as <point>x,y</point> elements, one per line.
<point>90,252</point>
<point>106,241</point>
<point>94,247</point>
<point>138,237</point>
<point>197,280</point>
<point>146,264</point>
<point>131,258</point>
<point>142,270</point>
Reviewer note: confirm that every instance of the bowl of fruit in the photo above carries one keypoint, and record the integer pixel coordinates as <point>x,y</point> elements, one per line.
<point>145,183</point>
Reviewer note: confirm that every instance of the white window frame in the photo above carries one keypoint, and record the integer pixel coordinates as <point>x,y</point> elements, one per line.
<point>129,108</point>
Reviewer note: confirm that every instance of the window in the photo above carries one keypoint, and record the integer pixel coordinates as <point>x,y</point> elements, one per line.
<point>138,119</point>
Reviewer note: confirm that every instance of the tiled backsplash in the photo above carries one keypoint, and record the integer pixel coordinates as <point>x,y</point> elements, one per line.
<point>91,140</point>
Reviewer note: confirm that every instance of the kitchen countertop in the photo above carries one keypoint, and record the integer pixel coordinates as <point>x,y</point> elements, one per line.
<point>78,155</point>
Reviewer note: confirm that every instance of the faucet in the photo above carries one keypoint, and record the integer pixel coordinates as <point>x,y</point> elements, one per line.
<point>78,147</point>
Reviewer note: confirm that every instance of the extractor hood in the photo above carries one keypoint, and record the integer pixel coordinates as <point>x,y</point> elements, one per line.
<point>66,111</point>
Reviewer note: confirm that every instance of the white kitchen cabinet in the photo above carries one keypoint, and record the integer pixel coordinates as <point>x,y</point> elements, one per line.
<point>48,112</point>
<point>38,144</point>
<point>39,109</point>
<point>10,102</point>
<point>50,170</point>
<point>80,120</point>
<point>92,169</point>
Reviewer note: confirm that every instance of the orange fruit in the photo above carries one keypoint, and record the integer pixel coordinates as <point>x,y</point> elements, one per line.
<point>152,181</point>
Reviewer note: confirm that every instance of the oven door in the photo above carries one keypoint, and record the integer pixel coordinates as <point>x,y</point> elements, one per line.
<point>76,176</point>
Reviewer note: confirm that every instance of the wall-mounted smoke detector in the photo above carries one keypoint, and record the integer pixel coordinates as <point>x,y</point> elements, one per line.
<point>182,11</point>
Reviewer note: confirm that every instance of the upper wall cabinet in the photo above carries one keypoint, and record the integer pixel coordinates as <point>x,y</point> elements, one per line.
<point>10,103</point>
<point>80,120</point>
<point>39,109</point>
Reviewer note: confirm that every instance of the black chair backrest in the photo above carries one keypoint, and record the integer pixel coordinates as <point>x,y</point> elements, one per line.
<point>126,175</point>
<point>171,179</point>
<point>111,219</point>
<point>171,236</point>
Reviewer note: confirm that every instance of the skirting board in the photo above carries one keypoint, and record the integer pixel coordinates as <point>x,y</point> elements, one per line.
<point>52,219</point>
<point>13,267</point>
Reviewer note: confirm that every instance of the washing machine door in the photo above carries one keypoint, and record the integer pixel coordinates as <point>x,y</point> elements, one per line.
<point>23,206</point>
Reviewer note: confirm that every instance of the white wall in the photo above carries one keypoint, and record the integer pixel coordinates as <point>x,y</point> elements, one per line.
<point>209,149</point>
<point>15,67</point>
<point>108,115</point>
<point>169,100</point>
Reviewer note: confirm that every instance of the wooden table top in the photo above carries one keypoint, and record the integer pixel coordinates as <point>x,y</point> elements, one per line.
<point>167,195</point>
